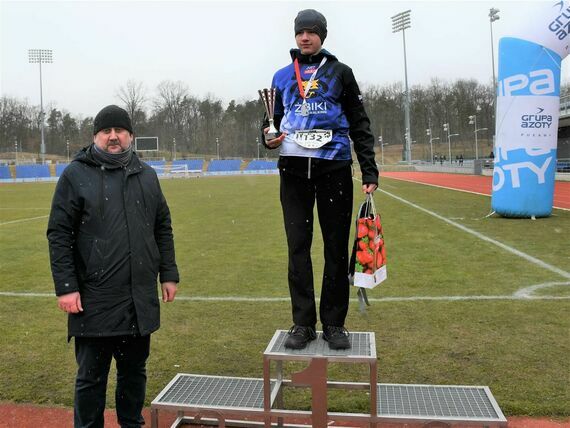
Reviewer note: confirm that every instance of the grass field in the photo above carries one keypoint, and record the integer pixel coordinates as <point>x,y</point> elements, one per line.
<point>469,300</point>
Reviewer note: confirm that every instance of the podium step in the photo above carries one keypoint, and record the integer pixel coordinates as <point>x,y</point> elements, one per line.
<point>199,391</point>
<point>438,402</point>
<point>363,345</point>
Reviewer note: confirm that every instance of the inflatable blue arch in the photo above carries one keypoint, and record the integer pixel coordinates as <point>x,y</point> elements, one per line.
<point>527,113</point>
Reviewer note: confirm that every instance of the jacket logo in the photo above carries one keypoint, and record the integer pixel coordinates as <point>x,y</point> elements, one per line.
<point>314,87</point>
<point>314,108</point>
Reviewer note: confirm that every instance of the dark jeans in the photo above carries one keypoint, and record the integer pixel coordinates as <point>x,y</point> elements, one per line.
<point>333,193</point>
<point>94,355</point>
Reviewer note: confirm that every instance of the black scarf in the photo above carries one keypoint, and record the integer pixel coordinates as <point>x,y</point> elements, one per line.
<point>114,159</point>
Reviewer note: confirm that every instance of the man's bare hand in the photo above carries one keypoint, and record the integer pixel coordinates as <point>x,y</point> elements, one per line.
<point>276,142</point>
<point>369,188</point>
<point>168,291</point>
<point>70,303</point>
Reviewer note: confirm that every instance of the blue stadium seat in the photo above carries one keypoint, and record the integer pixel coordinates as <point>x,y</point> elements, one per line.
<point>562,166</point>
<point>5,172</point>
<point>32,171</point>
<point>221,165</point>
<point>153,163</point>
<point>258,165</point>
<point>59,168</point>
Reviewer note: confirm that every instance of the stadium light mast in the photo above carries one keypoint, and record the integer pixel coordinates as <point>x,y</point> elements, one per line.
<point>431,140</point>
<point>41,56</point>
<point>473,121</point>
<point>493,16</point>
<point>401,22</point>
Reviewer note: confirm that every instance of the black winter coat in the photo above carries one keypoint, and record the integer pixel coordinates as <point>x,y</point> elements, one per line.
<point>110,236</point>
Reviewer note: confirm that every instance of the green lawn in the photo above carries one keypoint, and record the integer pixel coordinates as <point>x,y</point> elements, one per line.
<point>230,243</point>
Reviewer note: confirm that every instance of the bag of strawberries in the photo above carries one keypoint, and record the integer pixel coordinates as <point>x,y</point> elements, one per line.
<point>368,261</point>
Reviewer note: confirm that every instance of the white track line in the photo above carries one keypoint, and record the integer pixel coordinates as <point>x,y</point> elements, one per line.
<point>22,220</point>
<point>505,247</point>
<point>436,185</point>
<point>527,291</point>
<point>517,296</point>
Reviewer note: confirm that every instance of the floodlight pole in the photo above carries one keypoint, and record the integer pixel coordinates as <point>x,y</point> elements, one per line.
<point>67,148</point>
<point>473,121</point>
<point>431,140</point>
<point>493,16</point>
<point>257,142</point>
<point>218,147</point>
<point>41,56</point>
<point>401,22</point>
<point>16,147</point>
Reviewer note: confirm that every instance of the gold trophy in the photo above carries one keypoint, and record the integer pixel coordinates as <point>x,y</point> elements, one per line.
<point>268,99</point>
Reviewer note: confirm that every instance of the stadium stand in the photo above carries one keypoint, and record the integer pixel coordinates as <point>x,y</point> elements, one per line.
<point>59,168</point>
<point>5,172</point>
<point>193,165</point>
<point>158,165</point>
<point>34,172</point>
<point>259,165</point>
<point>155,163</point>
<point>224,165</point>
<point>563,165</point>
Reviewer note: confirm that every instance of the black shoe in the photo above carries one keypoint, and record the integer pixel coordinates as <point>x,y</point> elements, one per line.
<point>336,336</point>
<point>299,336</point>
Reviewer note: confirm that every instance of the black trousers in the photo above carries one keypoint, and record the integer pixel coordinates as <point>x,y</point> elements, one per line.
<point>94,355</point>
<point>333,193</point>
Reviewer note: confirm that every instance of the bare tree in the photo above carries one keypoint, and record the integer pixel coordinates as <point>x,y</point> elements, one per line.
<point>170,100</point>
<point>133,97</point>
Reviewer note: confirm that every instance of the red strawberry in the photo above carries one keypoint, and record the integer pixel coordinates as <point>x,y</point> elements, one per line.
<point>379,260</point>
<point>362,231</point>
<point>364,257</point>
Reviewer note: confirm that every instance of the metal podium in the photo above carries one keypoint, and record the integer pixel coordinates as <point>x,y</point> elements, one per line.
<point>248,402</point>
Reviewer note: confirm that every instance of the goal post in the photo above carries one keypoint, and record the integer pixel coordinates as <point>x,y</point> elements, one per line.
<point>172,171</point>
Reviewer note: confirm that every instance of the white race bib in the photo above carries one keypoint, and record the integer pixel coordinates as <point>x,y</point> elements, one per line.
<point>313,138</point>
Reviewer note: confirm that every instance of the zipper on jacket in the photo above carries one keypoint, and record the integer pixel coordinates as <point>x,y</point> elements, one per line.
<point>309,169</point>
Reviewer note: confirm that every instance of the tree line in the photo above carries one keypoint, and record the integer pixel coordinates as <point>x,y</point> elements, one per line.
<point>200,127</point>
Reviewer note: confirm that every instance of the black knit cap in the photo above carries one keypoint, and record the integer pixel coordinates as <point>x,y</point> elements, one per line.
<point>112,117</point>
<point>310,19</point>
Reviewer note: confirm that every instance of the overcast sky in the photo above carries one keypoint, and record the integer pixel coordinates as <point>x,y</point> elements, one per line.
<point>232,48</point>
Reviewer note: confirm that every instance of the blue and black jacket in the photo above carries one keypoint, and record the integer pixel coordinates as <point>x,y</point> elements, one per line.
<point>335,103</point>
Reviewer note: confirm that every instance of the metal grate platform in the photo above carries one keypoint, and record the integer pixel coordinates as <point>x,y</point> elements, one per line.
<point>362,345</point>
<point>212,392</point>
<point>466,403</point>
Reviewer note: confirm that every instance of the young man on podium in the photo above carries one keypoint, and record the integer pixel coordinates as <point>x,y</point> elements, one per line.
<point>318,110</point>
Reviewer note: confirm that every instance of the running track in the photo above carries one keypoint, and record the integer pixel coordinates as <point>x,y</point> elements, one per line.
<point>480,184</point>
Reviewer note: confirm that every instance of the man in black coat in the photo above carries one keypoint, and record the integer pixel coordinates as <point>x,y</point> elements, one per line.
<point>110,237</point>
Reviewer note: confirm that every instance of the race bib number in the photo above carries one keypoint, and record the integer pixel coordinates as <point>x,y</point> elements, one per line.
<point>313,138</point>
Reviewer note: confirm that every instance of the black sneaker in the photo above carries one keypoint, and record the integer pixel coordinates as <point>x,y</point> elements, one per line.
<point>336,336</point>
<point>299,336</point>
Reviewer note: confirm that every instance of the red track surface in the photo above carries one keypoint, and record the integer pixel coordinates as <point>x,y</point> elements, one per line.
<point>473,183</point>
<point>33,416</point>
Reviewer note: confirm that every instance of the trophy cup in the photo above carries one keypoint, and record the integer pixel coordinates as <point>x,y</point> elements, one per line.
<point>268,99</point>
